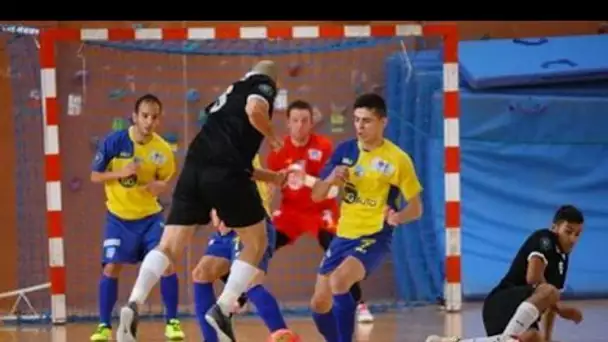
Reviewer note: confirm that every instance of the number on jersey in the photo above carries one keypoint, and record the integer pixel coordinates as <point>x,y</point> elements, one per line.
<point>220,101</point>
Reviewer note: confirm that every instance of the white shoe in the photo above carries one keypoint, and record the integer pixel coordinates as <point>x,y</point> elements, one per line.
<point>363,314</point>
<point>127,329</point>
<point>435,338</point>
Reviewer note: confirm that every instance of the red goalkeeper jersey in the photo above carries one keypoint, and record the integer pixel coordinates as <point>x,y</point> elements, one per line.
<point>311,158</point>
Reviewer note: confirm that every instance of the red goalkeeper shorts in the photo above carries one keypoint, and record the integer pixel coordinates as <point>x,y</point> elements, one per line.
<point>295,223</point>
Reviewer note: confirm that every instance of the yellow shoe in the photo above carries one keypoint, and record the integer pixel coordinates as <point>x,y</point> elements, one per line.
<point>173,331</point>
<point>103,333</point>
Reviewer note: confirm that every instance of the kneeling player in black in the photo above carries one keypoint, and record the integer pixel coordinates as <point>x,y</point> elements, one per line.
<point>532,285</point>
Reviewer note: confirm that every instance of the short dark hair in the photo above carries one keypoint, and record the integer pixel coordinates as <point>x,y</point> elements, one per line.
<point>147,98</point>
<point>372,102</point>
<point>299,104</point>
<point>568,213</point>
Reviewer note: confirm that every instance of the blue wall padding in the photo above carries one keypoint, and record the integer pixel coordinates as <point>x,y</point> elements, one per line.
<point>519,62</point>
<point>525,150</point>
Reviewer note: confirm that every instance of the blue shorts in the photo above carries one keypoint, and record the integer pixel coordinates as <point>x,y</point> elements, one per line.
<point>370,250</point>
<point>128,241</point>
<point>221,246</point>
<point>228,247</point>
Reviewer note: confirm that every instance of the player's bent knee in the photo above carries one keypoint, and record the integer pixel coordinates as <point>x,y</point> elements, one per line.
<point>174,240</point>
<point>548,293</point>
<point>112,270</point>
<point>210,269</point>
<point>339,282</point>
<point>346,275</point>
<point>321,301</point>
<point>254,239</point>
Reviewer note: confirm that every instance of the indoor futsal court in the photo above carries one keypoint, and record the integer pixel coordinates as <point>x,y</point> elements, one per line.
<point>486,116</point>
<point>411,325</point>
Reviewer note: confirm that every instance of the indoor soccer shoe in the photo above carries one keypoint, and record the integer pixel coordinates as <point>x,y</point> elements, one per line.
<point>173,330</point>
<point>284,335</point>
<point>102,333</point>
<point>363,314</point>
<point>221,323</point>
<point>127,330</point>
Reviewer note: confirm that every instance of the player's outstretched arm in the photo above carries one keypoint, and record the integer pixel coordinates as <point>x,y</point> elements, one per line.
<point>257,110</point>
<point>332,176</point>
<point>329,187</point>
<point>268,176</point>
<point>411,212</point>
<point>264,175</point>
<point>405,178</point>
<point>320,190</point>
<point>569,312</point>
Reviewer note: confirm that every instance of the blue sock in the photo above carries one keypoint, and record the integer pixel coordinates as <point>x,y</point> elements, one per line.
<point>267,307</point>
<point>327,326</point>
<point>108,294</point>
<point>204,299</point>
<point>344,310</point>
<point>169,289</point>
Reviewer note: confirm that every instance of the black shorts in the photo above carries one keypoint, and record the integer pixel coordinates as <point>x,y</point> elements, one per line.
<point>233,195</point>
<point>500,306</point>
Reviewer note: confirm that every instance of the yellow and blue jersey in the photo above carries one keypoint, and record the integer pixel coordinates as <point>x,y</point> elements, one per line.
<point>126,197</point>
<point>375,179</point>
<point>263,188</point>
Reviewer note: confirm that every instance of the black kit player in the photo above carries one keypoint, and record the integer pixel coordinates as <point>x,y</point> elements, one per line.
<point>218,174</point>
<point>532,285</point>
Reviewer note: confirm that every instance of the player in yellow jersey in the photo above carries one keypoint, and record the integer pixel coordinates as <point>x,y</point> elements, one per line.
<point>224,246</point>
<point>135,166</point>
<point>371,171</point>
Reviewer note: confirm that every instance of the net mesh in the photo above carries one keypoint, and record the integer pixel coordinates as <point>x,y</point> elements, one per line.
<point>186,76</point>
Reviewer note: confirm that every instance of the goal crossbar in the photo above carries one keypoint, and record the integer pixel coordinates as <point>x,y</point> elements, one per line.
<point>51,121</point>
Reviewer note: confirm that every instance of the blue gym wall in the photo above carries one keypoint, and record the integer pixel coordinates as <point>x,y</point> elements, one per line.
<point>525,151</point>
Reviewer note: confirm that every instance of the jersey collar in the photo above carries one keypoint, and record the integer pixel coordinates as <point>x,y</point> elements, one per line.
<point>360,145</point>
<point>132,137</point>
<point>308,142</point>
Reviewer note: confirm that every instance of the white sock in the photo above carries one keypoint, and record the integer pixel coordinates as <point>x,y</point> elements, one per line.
<point>495,338</point>
<point>152,268</point>
<point>521,321</point>
<point>241,275</point>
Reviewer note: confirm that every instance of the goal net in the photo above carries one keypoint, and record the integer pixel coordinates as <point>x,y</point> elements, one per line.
<point>76,86</point>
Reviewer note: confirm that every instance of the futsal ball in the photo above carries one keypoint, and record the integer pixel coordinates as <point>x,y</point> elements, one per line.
<point>284,335</point>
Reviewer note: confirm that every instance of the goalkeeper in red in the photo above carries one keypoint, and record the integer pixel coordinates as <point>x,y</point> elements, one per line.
<point>297,213</point>
<point>371,172</point>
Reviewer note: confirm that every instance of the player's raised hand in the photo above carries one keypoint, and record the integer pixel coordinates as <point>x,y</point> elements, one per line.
<point>391,217</point>
<point>129,170</point>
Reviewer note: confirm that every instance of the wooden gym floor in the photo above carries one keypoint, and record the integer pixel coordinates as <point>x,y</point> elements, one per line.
<point>411,325</point>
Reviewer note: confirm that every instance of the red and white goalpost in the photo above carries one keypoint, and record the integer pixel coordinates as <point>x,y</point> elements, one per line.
<point>53,164</point>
